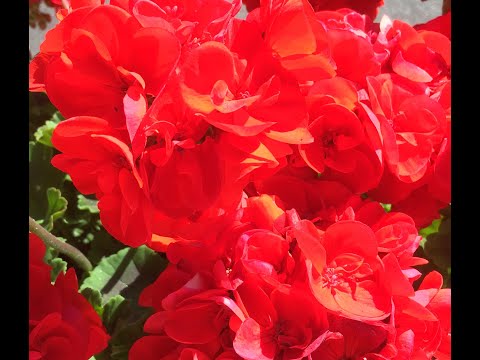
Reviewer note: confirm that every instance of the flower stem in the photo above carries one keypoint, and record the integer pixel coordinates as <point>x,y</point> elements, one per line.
<point>64,248</point>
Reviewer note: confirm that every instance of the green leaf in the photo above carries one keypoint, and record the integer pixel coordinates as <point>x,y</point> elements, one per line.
<point>43,135</point>
<point>90,205</point>
<point>42,175</point>
<point>432,228</point>
<point>113,310</point>
<point>126,272</point>
<point>58,266</point>
<point>57,263</point>
<point>57,205</point>
<point>120,278</point>
<point>94,297</point>
<point>126,335</point>
<point>103,245</point>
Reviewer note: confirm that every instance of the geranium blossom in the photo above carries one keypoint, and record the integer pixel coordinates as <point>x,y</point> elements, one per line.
<point>259,155</point>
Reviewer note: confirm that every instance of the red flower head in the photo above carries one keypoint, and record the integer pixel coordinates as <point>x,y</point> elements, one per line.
<point>192,181</point>
<point>423,321</point>
<point>92,56</point>
<point>287,323</point>
<point>63,325</point>
<point>190,310</point>
<point>421,56</point>
<point>294,37</point>
<point>343,269</point>
<point>348,34</point>
<point>245,101</point>
<point>413,125</point>
<point>352,340</point>
<point>99,161</point>
<point>193,21</point>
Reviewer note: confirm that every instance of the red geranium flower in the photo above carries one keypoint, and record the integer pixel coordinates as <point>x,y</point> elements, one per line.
<point>193,21</point>
<point>343,269</point>
<point>62,323</point>
<point>288,323</point>
<point>412,125</point>
<point>99,68</point>
<point>245,101</point>
<point>99,162</point>
<point>423,321</point>
<point>352,340</point>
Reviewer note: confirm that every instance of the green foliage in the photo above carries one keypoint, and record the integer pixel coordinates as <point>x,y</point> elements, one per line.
<point>126,272</point>
<point>94,297</point>
<point>43,135</point>
<point>436,246</point>
<point>112,311</point>
<point>42,176</point>
<point>431,229</point>
<point>57,205</point>
<point>118,279</point>
<point>90,205</point>
<point>57,263</point>
<point>58,266</point>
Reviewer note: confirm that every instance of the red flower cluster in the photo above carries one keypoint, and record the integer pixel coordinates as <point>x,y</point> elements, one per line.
<point>63,325</point>
<point>216,105</point>
<point>241,149</point>
<point>272,286</point>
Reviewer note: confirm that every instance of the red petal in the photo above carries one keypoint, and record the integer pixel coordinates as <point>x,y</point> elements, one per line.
<point>309,240</point>
<point>163,53</point>
<point>152,348</point>
<point>291,33</point>
<point>395,280</point>
<point>135,107</point>
<point>409,70</point>
<point>350,237</point>
<point>253,343</point>
<point>193,324</point>
<point>368,302</point>
<point>257,304</point>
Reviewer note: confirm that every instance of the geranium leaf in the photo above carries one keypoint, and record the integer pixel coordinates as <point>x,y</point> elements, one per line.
<point>42,175</point>
<point>90,205</point>
<point>113,310</point>
<point>57,205</point>
<point>126,272</point>
<point>94,297</point>
<point>43,135</point>
<point>119,278</point>
<point>58,265</point>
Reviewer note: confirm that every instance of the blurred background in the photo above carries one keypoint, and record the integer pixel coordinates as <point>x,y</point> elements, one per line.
<point>411,11</point>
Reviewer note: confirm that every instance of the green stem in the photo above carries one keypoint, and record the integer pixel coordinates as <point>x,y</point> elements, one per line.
<point>62,247</point>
